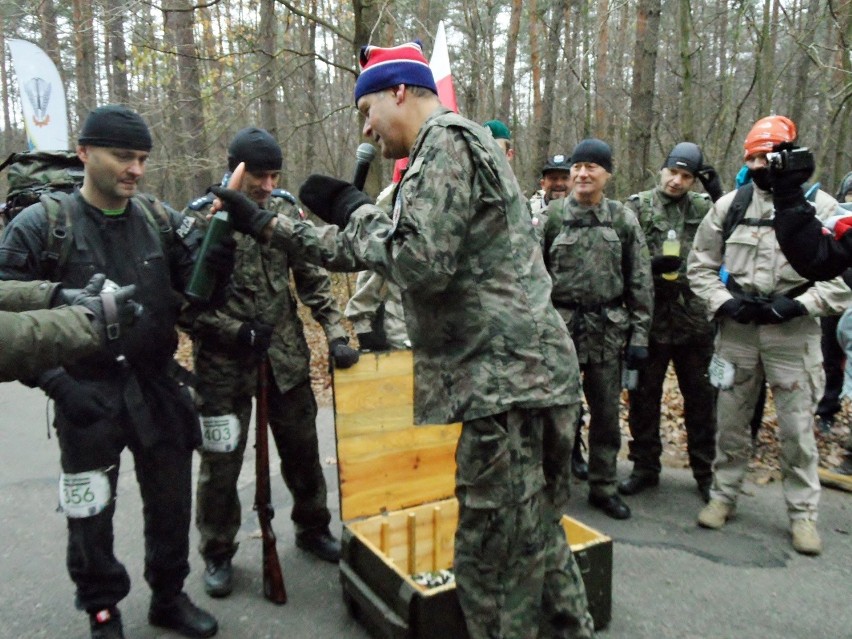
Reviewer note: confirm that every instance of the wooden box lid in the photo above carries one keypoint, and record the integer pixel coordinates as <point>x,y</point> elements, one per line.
<point>385,462</point>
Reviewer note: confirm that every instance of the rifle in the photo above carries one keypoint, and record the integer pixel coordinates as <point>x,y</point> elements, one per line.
<point>273,578</point>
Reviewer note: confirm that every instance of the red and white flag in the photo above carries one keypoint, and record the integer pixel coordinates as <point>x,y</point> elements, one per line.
<point>440,65</point>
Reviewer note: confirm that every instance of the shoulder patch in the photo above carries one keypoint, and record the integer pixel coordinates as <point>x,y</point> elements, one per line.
<point>201,202</point>
<point>283,193</point>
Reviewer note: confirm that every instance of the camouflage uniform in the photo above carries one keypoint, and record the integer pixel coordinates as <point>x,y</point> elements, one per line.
<point>35,340</point>
<point>372,291</point>
<point>603,290</point>
<point>788,354</point>
<point>681,333</point>
<point>489,351</point>
<point>227,381</point>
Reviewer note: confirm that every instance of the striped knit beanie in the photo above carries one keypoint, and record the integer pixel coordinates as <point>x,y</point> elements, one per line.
<point>382,68</point>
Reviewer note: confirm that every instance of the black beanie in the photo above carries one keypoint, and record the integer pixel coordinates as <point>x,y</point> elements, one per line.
<point>257,149</point>
<point>116,126</point>
<point>593,150</point>
<point>686,156</point>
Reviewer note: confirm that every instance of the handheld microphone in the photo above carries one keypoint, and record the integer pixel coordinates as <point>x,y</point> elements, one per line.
<point>364,156</point>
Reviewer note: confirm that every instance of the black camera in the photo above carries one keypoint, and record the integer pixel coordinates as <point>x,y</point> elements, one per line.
<point>791,159</point>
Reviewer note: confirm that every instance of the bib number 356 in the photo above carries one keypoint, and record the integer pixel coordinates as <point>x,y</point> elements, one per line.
<point>84,494</point>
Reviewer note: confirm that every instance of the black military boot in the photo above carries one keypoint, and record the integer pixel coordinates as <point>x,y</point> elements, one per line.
<point>637,482</point>
<point>106,624</point>
<point>182,616</point>
<point>218,577</point>
<point>320,543</point>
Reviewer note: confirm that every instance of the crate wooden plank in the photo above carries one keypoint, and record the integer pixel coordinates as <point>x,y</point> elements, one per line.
<point>385,462</point>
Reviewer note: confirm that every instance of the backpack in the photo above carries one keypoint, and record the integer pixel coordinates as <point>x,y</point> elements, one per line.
<point>736,212</point>
<point>59,206</point>
<point>34,173</point>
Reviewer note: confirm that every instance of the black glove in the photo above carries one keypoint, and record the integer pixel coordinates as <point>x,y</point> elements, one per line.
<point>635,357</point>
<point>331,199</point>
<point>781,309</point>
<point>256,335</point>
<point>80,403</point>
<point>739,309</point>
<point>665,263</point>
<point>372,341</point>
<point>710,181</point>
<point>343,355</point>
<point>787,180</point>
<point>246,216</point>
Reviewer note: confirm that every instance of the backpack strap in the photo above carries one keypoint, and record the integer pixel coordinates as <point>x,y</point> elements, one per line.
<point>58,208</point>
<point>737,210</point>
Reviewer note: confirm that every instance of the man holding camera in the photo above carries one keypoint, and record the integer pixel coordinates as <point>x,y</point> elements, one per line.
<point>766,326</point>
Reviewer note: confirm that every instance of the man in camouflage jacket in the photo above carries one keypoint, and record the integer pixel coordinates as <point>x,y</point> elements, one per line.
<point>489,348</point>
<point>257,321</point>
<point>680,331</point>
<point>595,252</point>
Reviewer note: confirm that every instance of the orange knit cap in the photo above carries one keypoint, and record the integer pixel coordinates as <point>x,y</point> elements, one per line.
<point>766,133</point>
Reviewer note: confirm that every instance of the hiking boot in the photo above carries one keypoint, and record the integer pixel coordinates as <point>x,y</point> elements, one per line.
<point>106,624</point>
<point>182,616</point>
<point>715,514</point>
<point>806,539</point>
<point>321,544</point>
<point>636,483</point>
<point>218,577</point>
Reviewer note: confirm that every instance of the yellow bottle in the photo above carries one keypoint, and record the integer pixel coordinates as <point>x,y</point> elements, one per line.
<point>671,246</point>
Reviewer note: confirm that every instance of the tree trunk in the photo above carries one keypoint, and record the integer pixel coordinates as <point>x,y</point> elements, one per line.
<point>118,88</point>
<point>602,120</point>
<point>509,64</point>
<point>642,91</point>
<point>554,33</point>
<point>84,49</point>
<point>268,67</point>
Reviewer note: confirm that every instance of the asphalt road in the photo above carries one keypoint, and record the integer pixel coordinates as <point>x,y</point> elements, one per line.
<point>670,578</point>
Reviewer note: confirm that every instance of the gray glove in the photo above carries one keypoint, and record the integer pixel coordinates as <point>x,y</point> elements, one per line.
<point>109,311</point>
<point>343,355</point>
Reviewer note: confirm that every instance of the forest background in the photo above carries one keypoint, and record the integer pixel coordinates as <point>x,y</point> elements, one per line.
<point>641,75</point>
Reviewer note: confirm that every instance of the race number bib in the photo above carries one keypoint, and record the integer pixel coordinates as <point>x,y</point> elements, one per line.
<point>721,373</point>
<point>220,433</point>
<point>84,494</point>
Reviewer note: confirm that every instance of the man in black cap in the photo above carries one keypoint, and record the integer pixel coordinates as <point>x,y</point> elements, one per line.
<point>258,321</point>
<point>555,183</point>
<point>126,394</point>
<point>680,331</point>
<point>595,252</point>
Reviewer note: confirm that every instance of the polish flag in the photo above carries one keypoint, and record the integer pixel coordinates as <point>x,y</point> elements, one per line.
<point>440,65</point>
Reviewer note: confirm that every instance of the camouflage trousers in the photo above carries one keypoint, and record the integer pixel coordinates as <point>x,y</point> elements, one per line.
<point>292,421</point>
<point>516,576</point>
<point>691,361</point>
<point>602,387</point>
<point>790,357</point>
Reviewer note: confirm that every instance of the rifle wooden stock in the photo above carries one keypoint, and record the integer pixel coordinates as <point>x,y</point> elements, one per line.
<point>273,578</point>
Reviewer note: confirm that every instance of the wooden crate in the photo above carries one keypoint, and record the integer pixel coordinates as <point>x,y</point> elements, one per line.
<point>396,483</point>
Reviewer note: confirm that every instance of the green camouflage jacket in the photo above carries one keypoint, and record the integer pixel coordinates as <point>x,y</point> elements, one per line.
<point>680,316</point>
<point>260,290</point>
<point>601,274</point>
<point>460,245</point>
<point>36,340</point>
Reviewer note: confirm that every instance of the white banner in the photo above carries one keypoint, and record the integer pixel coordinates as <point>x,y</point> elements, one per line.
<point>42,96</point>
